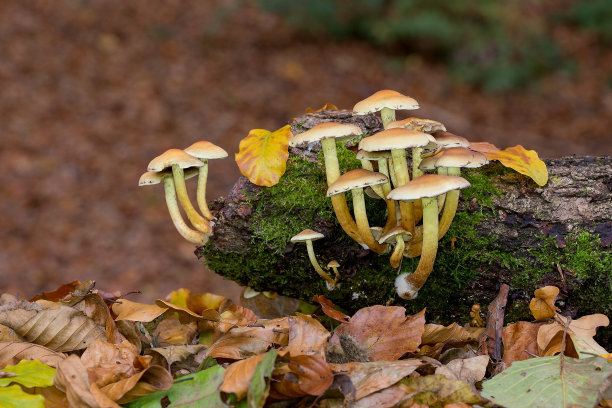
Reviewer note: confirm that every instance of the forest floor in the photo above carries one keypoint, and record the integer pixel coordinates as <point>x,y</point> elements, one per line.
<point>91,91</point>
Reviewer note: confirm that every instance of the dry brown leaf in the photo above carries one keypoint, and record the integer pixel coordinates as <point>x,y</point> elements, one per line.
<point>386,398</point>
<point>12,353</point>
<point>185,315</point>
<point>384,332</point>
<point>237,376</point>
<point>172,354</point>
<point>71,378</point>
<point>8,334</point>
<point>582,331</point>
<point>542,306</point>
<point>470,370</point>
<point>550,340</point>
<point>300,376</point>
<point>107,363</point>
<point>375,376</point>
<point>329,309</point>
<point>59,293</point>
<point>58,327</point>
<point>170,332</point>
<point>236,316</point>
<point>54,398</point>
<point>145,382</point>
<point>327,106</point>
<point>136,312</point>
<point>94,307</point>
<point>520,341</point>
<point>453,333</point>
<point>495,323</point>
<point>306,336</point>
<point>129,330</point>
<point>270,307</point>
<point>199,302</point>
<point>244,342</point>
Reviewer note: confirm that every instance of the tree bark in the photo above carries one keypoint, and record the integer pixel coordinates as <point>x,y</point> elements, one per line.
<point>521,234</point>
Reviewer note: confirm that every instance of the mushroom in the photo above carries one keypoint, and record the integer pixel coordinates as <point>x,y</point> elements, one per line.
<point>150,178</point>
<point>328,133</point>
<point>397,140</point>
<point>334,265</point>
<point>308,236</point>
<point>204,151</point>
<point>355,181</point>
<point>387,102</point>
<point>382,190</point>
<point>397,236</point>
<point>426,188</point>
<point>179,160</point>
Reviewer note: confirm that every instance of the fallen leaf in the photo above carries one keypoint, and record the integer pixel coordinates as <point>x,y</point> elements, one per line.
<point>186,315</point>
<point>300,376</point>
<point>29,374</point>
<point>329,309</point>
<point>469,370</point>
<point>58,327</point>
<point>8,334</point>
<point>438,390</point>
<point>145,382</point>
<point>107,363</point>
<point>15,397</point>
<point>387,398</point>
<point>518,158</point>
<point>520,341</point>
<point>270,307</point>
<point>542,306</point>
<point>197,303</point>
<point>236,316</point>
<point>306,336</point>
<point>495,323</point>
<point>171,332</point>
<point>57,294</point>
<point>384,332</point>
<point>259,385</point>
<point>374,376</point>
<point>263,155</point>
<point>136,312</point>
<point>327,106</point>
<point>582,331</point>
<point>451,334</point>
<point>174,354</point>
<point>13,352</point>
<point>238,375</point>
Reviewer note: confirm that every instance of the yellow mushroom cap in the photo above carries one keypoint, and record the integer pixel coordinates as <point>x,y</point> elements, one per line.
<point>397,138</point>
<point>307,235</point>
<point>155,177</point>
<point>429,185</point>
<point>460,157</point>
<point>357,178</point>
<point>171,157</point>
<point>389,237</point>
<point>206,150</point>
<point>422,125</point>
<point>448,139</point>
<point>365,155</point>
<point>325,130</point>
<point>385,99</point>
<point>333,264</point>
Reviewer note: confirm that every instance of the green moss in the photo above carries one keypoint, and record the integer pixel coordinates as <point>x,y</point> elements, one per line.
<point>482,187</point>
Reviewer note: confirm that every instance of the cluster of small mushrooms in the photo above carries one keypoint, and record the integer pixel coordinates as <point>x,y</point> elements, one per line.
<point>420,206</point>
<point>173,167</point>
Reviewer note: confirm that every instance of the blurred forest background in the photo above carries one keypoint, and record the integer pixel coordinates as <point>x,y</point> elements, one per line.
<point>91,90</point>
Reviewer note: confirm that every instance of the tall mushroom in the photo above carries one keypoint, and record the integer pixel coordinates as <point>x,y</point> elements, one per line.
<point>355,181</point>
<point>426,188</point>
<point>327,134</point>
<point>179,160</point>
<point>308,236</point>
<point>397,140</point>
<point>150,178</point>
<point>204,151</point>
<point>387,102</point>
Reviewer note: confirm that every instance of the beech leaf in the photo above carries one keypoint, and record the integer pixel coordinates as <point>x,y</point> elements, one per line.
<point>15,397</point>
<point>518,158</point>
<point>12,352</point>
<point>29,374</point>
<point>262,155</point>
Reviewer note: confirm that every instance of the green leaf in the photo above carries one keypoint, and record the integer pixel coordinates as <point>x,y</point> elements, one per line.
<point>259,386</point>
<point>30,373</point>
<point>15,397</point>
<point>549,382</point>
<point>191,391</point>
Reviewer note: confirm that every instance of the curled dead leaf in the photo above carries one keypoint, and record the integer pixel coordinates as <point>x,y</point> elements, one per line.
<point>542,306</point>
<point>12,352</point>
<point>136,312</point>
<point>329,309</point>
<point>301,375</point>
<point>518,158</point>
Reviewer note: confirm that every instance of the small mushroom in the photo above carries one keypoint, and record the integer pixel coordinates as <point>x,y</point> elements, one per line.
<point>150,178</point>
<point>387,102</point>
<point>334,265</point>
<point>327,134</point>
<point>179,160</point>
<point>355,181</point>
<point>204,151</point>
<point>308,236</point>
<point>397,237</point>
<point>425,188</point>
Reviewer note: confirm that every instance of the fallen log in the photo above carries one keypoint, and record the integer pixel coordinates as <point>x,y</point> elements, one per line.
<point>507,230</point>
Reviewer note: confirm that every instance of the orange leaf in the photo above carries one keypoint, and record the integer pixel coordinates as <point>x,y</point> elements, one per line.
<point>518,158</point>
<point>520,341</point>
<point>542,306</point>
<point>303,375</point>
<point>327,106</point>
<point>237,376</point>
<point>329,309</point>
<point>306,336</point>
<point>263,155</point>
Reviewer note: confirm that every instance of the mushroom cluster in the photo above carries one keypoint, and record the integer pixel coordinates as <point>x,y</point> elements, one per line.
<point>173,167</point>
<point>420,207</point>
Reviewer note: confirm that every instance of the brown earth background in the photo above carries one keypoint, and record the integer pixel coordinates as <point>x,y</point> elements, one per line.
<point>90,91</point>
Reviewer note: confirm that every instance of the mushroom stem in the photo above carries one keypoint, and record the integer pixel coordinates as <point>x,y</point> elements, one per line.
<point>416,162</point>
<point>367,165</point>
<point>398,252</point>
<point>400,167</point>
<point>193,236</point>
<point>332,172</point>
<point>386,188</point>
<point>315,263</point>
<point>363,225</point>
<point>201,191</point>
<point>199,222</point>
<point>387,115</point>
<point>408,285</point>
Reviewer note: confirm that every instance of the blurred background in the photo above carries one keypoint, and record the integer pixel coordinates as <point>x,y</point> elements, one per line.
<point>91,90</point>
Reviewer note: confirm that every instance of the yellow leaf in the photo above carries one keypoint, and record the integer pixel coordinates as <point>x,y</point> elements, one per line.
<point>263,155</point>
<point>518,158</point>
<point>327,106</point>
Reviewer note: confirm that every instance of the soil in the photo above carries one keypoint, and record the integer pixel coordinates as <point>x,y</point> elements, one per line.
<point>93,90</point>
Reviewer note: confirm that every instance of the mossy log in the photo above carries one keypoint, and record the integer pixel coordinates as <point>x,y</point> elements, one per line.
<point>507,230</point>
